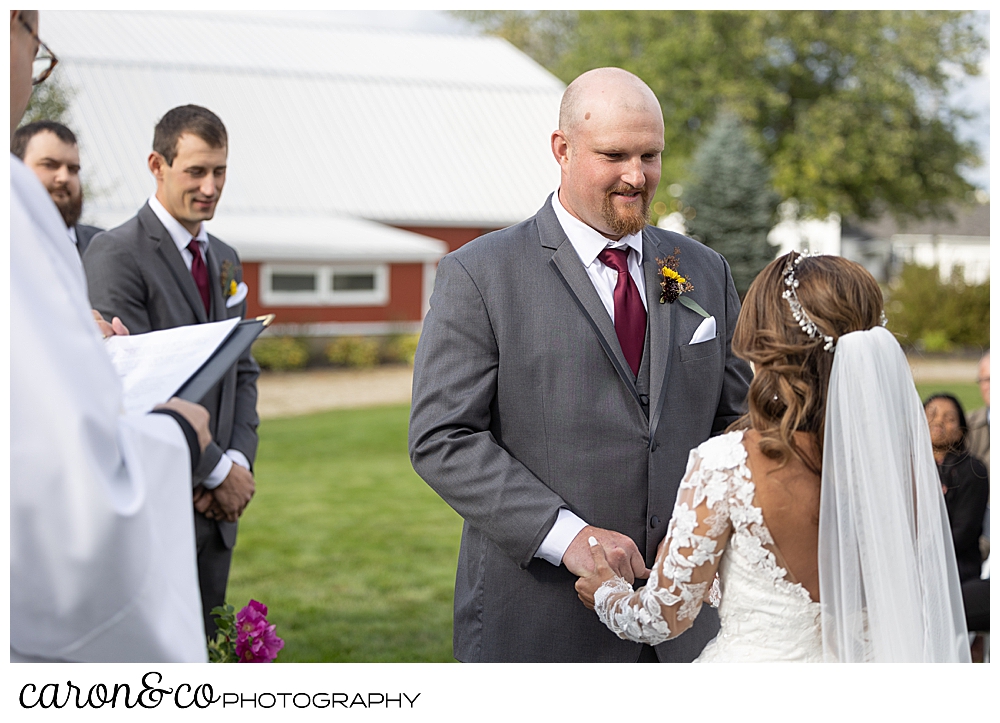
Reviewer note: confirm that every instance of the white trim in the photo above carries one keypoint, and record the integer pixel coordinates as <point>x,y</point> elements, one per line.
<point>324,295</point>
<point>430,274</point>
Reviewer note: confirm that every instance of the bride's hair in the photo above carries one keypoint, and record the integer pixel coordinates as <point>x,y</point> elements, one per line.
<point>792,369</point>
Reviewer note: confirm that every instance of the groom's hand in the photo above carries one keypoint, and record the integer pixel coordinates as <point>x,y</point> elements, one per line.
<point>622,554</point>
<point>586,587</point>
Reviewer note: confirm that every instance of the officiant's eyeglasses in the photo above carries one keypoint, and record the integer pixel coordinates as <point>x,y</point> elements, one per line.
<point>45,60</point>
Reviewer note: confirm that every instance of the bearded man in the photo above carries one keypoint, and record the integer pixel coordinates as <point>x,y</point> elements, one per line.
<point>566,367</point>
<point>50,150</point>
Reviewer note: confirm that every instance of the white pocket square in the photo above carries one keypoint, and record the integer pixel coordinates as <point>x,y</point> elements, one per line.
<point>704,332</point>
<point>241,293</point>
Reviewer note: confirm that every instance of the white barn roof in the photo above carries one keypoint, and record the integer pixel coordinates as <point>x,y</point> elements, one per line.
<point>298,237</point>
<point>401,128</point>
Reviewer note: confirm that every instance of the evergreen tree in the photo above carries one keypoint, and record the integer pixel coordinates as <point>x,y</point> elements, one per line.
<point>730,202</point>
<point>49,101</point>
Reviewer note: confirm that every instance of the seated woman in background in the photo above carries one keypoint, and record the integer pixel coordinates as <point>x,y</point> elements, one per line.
<point>966,486</point>
<point>964,480</point>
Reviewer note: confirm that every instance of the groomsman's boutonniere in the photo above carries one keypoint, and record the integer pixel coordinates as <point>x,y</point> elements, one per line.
<point>228,279</point>
<point>673,285</point>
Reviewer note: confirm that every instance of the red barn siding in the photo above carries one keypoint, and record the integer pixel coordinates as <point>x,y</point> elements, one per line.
<point>405,299</point>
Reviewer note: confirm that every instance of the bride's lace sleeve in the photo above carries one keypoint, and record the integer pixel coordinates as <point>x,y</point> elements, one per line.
<point>685,567</point>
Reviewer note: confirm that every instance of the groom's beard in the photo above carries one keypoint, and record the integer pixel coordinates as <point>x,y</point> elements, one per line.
<point>630,220</point>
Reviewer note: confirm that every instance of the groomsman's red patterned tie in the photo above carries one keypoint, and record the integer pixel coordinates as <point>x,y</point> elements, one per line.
<point>630,314</point>
<point>200,274</point>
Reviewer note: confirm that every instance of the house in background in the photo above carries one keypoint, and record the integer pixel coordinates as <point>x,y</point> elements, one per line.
<point>884,245</point>
<point>357,157</point>
<point>805,234</point>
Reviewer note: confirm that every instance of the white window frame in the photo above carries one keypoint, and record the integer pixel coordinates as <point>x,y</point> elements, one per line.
<point>324,295</point>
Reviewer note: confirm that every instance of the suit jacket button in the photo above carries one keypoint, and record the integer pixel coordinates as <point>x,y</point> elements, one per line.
<point>644,399</point>
<point>654,522</point>
<point>652,445</point>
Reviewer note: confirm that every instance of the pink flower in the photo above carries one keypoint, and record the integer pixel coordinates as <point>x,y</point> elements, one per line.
<point>255,638</point>
<point>258,606</point>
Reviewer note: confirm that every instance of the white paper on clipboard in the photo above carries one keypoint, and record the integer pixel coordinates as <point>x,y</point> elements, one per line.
<point>155,365</point>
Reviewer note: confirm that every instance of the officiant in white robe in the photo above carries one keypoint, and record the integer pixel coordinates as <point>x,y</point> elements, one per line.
<point>102,554</point>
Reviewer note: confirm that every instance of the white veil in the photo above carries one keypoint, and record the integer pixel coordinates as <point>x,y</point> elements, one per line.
<point>889,583</point>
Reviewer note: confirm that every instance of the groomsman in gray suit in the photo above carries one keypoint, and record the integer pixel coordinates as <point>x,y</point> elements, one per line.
<point>560,383</point>
<point>161,269</point>
<point>50,150</point>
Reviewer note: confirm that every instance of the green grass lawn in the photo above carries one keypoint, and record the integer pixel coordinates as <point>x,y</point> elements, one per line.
<point>352,552</point>
<point>966,392</point>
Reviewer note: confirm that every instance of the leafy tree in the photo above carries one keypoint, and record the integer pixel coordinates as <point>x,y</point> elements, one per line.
<point>542,34</point>
<point>849,107</point>
<point>730,202</point>
<point>936,315</point>
<point>49,101</point>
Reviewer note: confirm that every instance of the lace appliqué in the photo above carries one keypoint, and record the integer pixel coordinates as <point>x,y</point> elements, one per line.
<point>685,568</point>
<point>714,501</point>
<point>715,593</point>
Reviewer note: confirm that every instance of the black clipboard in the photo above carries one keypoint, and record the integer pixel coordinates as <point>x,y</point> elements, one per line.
<point>226,355</point>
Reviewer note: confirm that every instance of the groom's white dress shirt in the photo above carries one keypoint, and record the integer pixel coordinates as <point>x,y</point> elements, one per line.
<point>588,244</point>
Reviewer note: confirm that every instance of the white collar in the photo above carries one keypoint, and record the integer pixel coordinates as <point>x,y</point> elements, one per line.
<point>178,233</point>
<point>71,230</point>
<point>587,241</point>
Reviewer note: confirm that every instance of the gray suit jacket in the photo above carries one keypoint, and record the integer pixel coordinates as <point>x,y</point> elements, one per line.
<point>978,437</point>
<point>135,272</point>
<point>523,403</point>
<point>84,234</point>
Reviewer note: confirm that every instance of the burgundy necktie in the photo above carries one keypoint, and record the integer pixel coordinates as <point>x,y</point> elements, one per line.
<point>630,314</point>
<point>200,274</point>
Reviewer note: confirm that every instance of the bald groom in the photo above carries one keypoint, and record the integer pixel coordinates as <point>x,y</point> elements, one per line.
<point>556,396</point>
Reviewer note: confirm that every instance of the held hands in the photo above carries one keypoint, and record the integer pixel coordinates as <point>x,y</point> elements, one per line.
<point>229,499</point>
<point>205,503</point>
<point>587,585</point>
<point>618,550</point>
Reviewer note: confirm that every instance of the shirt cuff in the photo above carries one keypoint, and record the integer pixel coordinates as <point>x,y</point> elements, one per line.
<point>239,458</point>
<point>222,469</point>
<point>555,544</point>
<point>219,474</point>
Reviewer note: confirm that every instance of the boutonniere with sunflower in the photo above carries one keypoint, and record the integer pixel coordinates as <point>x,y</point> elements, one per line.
<point>227,276</point>
<point>673,285</point>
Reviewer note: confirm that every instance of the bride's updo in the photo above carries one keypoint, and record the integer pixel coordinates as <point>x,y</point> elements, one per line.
<point>792,367</point>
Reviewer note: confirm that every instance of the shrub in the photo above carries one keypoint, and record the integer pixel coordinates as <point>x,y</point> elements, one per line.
<point>936,315</point>
<point>353,351</point>
<point>400,348</point>
<point>280,353</point>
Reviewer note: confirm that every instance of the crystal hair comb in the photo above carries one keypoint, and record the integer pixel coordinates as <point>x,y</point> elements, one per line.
<point>798,313</point>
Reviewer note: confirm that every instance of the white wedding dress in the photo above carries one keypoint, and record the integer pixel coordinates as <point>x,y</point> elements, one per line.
<point>766,616</point>
<point>885,560</point>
